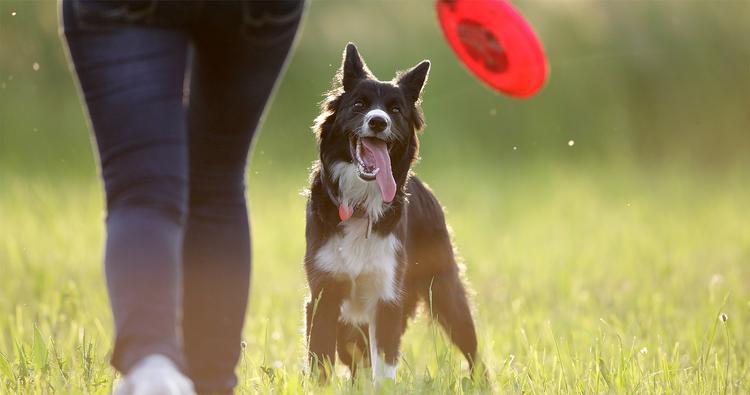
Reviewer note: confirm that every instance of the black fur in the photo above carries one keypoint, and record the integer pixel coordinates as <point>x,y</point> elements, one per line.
<point>426,266</point>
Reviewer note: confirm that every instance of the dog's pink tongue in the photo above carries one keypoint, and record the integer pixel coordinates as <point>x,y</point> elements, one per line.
<point>385,180</point>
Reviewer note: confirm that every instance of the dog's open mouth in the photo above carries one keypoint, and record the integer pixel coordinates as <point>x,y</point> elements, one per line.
<point>364,159</point>
<point>373,163</point>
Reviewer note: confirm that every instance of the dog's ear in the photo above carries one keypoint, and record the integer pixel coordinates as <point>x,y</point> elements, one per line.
<point>412,81</point>
<point>353,68</point>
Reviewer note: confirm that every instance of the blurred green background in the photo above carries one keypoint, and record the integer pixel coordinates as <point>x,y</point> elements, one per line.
<point>601,263</point>
<point>644,82</point>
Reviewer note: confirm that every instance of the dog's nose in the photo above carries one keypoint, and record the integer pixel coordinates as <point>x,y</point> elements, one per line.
<point>377,124</point>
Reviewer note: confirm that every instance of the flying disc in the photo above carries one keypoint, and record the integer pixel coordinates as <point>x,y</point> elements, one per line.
<point>496,43</point>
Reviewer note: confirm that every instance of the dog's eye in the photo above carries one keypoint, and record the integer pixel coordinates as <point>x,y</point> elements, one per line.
<point>395,109</point>
<point>358,104</point>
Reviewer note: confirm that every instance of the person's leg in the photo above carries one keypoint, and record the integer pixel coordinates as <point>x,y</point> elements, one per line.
<point>232,79</point>
<point>132,81</point>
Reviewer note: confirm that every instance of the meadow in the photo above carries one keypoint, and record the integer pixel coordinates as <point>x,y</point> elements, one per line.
<point>603,225</point>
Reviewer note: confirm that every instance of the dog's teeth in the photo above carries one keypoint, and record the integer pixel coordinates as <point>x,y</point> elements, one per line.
<point>359,156</point>
<point>375,172</point>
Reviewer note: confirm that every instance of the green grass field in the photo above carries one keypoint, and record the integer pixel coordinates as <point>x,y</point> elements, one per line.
<point>599,267</point>
<point>605,282</point>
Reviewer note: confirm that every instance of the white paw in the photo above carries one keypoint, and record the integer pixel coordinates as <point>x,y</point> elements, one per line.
<point>385,371</point>
<point>154,375</point>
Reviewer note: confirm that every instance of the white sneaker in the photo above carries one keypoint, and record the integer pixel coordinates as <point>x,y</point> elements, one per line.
<point>155,374</point>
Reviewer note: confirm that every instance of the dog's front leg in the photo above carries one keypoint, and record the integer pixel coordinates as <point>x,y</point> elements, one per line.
<point>385,340</point>
<point>322,313</point>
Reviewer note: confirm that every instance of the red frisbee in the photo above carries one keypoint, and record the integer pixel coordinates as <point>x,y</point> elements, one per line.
<point>496,43</point>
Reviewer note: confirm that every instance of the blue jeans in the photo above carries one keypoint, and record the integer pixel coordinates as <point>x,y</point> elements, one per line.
<point>174,92</point>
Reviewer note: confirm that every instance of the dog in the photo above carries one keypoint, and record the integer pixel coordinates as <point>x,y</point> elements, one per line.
<point>377,241</point>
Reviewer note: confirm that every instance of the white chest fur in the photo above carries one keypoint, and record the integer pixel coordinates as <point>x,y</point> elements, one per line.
<point>357,192</point>
<point>369,263</point>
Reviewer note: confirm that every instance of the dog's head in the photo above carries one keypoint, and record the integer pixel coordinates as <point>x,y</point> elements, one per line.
<point>369,127</point>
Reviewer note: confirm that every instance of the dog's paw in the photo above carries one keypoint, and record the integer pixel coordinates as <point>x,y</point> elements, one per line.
<point>383,372</point>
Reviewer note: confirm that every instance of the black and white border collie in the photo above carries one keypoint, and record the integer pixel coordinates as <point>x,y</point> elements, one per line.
<point>377,242</point>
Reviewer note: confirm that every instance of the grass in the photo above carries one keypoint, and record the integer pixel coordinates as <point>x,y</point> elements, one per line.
<point>589,274</point>
<point>601,281</point>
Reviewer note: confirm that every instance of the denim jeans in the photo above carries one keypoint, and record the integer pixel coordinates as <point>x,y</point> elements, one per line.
<point>174,92</point>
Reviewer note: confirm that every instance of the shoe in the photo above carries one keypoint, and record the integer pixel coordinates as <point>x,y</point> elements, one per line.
<point>155,374</point>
